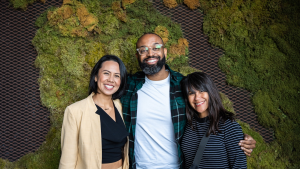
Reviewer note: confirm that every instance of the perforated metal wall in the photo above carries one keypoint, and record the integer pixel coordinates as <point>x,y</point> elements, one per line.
<point>24,122</point>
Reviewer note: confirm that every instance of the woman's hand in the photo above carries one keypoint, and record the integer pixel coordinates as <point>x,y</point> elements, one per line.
<point>247,145</point>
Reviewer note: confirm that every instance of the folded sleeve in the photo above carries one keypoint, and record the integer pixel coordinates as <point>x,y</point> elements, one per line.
<point>69,141</point>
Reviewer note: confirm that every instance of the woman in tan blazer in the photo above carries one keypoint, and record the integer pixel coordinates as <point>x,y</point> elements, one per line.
<point>93,132</point>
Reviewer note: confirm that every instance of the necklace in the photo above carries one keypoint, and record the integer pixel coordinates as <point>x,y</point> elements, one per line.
<point>104,108</point>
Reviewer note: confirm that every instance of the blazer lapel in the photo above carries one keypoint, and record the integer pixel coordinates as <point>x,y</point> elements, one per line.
<point>96,128</point>
<point>118,105</point>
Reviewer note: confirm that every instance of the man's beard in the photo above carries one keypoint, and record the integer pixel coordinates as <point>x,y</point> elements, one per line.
<point>152,69</point>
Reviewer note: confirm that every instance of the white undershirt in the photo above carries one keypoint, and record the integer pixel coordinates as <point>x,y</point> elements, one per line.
<point>155,145</point>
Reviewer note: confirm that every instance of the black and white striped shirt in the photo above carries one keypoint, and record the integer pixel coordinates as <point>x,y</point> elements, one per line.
<point>221,151</point>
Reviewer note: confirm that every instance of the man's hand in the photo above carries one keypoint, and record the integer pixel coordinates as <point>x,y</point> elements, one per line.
<point>247,145</point>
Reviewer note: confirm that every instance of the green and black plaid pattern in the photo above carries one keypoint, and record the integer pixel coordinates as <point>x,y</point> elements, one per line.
<point>129,102</point>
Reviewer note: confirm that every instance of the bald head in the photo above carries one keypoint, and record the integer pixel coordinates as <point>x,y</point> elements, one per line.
<point>145,38</point>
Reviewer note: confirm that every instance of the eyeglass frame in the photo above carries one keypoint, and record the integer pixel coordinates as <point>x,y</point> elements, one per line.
<point>138,49</point>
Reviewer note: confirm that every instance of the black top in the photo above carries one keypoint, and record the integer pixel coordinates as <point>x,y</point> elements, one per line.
<point>114,136</point>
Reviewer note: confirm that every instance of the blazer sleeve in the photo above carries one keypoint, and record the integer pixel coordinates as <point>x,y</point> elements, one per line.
<point>69,141</point>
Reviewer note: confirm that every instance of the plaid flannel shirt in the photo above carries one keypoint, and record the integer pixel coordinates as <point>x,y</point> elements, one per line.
<point>129,102</point>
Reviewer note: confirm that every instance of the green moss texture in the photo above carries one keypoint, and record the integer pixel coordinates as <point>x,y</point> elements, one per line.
<point>22,4</point>
<point>262,48</point>
<point>260,39</point>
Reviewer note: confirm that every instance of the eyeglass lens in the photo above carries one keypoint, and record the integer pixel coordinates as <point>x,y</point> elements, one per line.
<point>155,49</point>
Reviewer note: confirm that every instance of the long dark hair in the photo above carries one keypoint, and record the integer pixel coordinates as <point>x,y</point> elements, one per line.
<point>123,73</point>
<point>216,111</point>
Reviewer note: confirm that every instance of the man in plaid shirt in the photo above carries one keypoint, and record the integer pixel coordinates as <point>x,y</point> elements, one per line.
<point>154,110</point>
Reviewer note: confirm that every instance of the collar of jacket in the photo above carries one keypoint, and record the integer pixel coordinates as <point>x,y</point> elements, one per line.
<point>93,108</point>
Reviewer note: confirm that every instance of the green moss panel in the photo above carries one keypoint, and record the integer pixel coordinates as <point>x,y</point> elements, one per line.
<point>262,48</point>
<point>72,38</point>
<point>22,4</point>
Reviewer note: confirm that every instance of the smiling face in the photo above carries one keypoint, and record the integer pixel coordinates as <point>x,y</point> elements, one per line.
<point>199,101</point>
<point>152,61</point>
<point>108,79</point>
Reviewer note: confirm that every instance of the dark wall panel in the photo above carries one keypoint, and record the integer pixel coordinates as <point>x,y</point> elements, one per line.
<point>24,122</point>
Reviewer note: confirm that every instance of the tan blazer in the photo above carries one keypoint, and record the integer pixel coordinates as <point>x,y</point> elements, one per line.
<point>81,142</point>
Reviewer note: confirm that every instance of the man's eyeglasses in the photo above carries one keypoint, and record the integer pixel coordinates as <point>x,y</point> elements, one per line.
<point>145,50</point>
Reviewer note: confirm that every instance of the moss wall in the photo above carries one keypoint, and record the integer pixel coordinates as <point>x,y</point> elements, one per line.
<point>261,43</point>
<point>262,49</point>
<point>22,4</point>
<point>259,37</point>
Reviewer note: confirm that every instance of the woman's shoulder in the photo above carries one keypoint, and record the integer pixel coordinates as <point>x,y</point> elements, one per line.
<point>117,102</point>
<point>232,127</point>
<point>80,105</point>
<point>231,123</point>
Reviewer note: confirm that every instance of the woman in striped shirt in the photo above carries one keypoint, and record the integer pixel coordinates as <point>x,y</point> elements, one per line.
<point>206,115</point>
